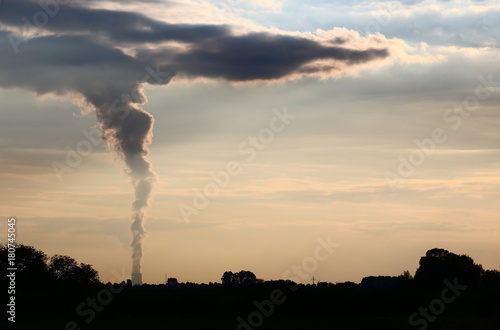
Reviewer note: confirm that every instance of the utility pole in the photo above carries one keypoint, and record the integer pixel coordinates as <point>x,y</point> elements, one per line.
<point>313,279</point>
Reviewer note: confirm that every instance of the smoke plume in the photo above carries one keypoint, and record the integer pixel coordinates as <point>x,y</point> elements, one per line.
<point>130,135</point>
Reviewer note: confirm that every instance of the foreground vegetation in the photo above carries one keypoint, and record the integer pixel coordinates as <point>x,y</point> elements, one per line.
<point>59,293</point>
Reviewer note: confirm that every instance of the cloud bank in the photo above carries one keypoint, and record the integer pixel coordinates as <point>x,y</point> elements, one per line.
<point>191,50</point>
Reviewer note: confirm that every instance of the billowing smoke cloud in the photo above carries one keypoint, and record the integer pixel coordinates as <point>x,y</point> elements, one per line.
<point>78,50</point>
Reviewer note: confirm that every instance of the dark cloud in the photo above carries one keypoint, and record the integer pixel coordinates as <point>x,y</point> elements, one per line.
<point>120,26</point>
<point>62,64</point>
<point>213,51</point>
<point>261,56</point>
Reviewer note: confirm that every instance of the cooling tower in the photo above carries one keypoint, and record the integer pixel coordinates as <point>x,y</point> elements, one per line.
<point>137,279</point>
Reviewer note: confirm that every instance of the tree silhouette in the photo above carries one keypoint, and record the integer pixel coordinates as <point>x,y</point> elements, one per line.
<point>440,264</point>
<point>62,267</point>
<point>172,281</point>
<point>227,278</point>
<point>242,278</point>
<point>85,275</point>
<point>246,278</point>
<point>67,271</point>
<point>31,264</point>
<point>35,269</point>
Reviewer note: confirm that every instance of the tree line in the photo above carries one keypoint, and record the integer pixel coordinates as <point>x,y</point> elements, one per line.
<point>36,269</point>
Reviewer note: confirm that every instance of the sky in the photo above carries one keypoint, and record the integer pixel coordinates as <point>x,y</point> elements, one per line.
<point>366,130</point>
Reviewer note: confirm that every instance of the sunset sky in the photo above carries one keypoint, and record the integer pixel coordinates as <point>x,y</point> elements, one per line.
<point>372,124</point>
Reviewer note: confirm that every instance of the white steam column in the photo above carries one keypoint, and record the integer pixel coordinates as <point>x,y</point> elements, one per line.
<point>137,279</point>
